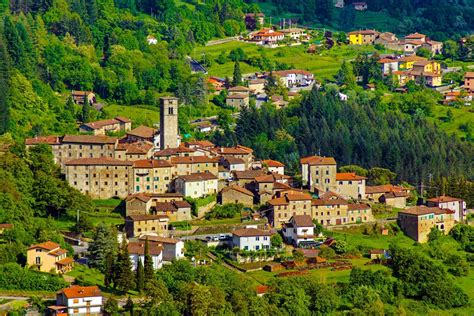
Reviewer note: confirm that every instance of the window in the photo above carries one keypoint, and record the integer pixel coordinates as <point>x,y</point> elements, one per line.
<point>138,179</point>
<point>76,300</point>
<point>38,260</point>
<point>257,247</point>
<point>170,111</point>
<point>137,188</point>
<point>246,248</point>
<point>257,238</point>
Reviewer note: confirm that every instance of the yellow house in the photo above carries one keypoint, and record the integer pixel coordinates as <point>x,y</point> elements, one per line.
<point>428,71</point>
<point>365,37</point>
<point>49,257</point>
<point>407,62</point>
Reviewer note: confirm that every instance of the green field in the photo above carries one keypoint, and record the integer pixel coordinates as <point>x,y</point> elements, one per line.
<point>374,20</point>
<point>324,65</point>
<point>140,115</point>
<point>462,115</point>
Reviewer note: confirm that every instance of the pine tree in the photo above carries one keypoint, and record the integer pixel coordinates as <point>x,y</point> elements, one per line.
<point>13,41</point>
<point>124,279</point>
<point>104,243</point>
<point>4,87</point>
<point>237,77</point>
<point>140,276</point>
<point>149,272</point>
<point>92,11</point>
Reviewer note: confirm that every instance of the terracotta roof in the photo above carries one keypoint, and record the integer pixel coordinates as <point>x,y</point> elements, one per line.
<point>414,42</point>
<point>320,202</point>
<point>140,196</point>
<point>261,289</point>
<point>48,245</point>
<point>200,143</point>
<point>172,206</point>
<point>284,73</point>
<point>147,217</point>
<point>422,62</point>
<point>81,291</point>
<point>273,177</point>
<point>469,74</point>
<point>123,119</point>
<point>50,140</point>
<point>287,198</point>
<point>237,96</point>
<point>392,195</point>
<point>142,147</point>
<point>364,32</point>
<point>248,174</point>
<point>193,159</point>
<point>358,206</point>
<point>143,132</point>
<point>423,210</point>
<point>250,232</point>
<point>384,189</point>
<point>152,163</point>
<point>415,35</point>
<point>233,160</point>
<point>138,248</point>
<point>256,81</point>
<point>181,204</point>
<point>89,139</point>
<point>194,177</point>
<point>272,163</point>
<point>331,195</point>
<point>58,252</point>
<point>6,226</point>
<point>238,189</point>
<point>101,124</point>
<point>348,176</point>
<point>281,186</point>
<point>411,58</point>
<point>173,151</point>
<point>444,199</point>
<point>239,88</point>
<point>377,251</point>
<point>162,240</point>
<point>98,162</point>
<point>387,61</point>
<point>65,261</point>
<point>303,220</point>
<point>317,160</point>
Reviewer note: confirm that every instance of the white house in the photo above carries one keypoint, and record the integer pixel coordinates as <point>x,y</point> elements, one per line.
<point>136,250</point>
<point>251,239</point>
<point>197,185</point>
<point>173,248</point>
<point>295,77</point>
<point>299,229</point>
<point>388,65</point>
<point>274,166</point>
<point>78,300</point>
<point>151,40</point>
<point>294,33</point>
<point>232,163</point>
<point>447,202</point>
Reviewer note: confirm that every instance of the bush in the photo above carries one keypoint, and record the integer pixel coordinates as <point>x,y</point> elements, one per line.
<point>14,277</point>
<point>327,252</point>
<point>225,211</point>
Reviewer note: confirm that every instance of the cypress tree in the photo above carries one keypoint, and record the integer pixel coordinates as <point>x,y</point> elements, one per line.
<point>109,269</point>
<point>237,77</point>
<point>149,273</point>
<point>86,115</point>
<point>124,278</point>
<point>140,276</point>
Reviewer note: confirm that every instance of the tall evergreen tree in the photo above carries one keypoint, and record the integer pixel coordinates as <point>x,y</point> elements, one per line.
<point>140,276</point>
<point>124,279</point>
<point>86,111</point>
<point>109,269</point>
<point>13,41</point>
<point>149,272</point>
<point>237,76</point>
<point>105,242</point>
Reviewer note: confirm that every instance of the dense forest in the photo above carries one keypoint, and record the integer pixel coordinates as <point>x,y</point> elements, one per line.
<point>50,47</point>
<point>441,19</point>
<point>360,131</point>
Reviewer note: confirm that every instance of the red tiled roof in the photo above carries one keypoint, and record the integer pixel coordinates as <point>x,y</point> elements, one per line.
<point>101,124</point>
<point>320,202</point>
<point>284,73</point>
<point>331,195</point>
<point>50,140</point>
<point>194,177</point>
<point>469,74</point>
<point>193,159</point>
<point>261,289</point>
<point>6,226</point>
<point>142,147</point>
<point>143,132</point>
<point>238,189</point>
<point>415,35</point>
<point>89,139</point>
<point>384,189</point>
<point>123,119</point>
<point>250,232</point>
<point>248,174</point>
<point>358,206</point>
<point>293,196</point>
<point>273,177</point>
<point>364,32</point>
<point>152,163</point>
<point>81,291</point>
<point>140,196</point>
<point>411,58</point>
<point>147,217</point>
<point>173,151</point>
<point>239,88</point>
<point>237,96</point>
<point>98,162</point>
<point>387,61</point>
<point>348,176</point>
<point>423,210</point>
<point>200,143</point>
<point>444,199</point>
<point>317,160</point>
<point>65,261</point>
<point>272,163</point>
<point>48,245</point>
<point>303,220</point>
<point>138,248</point>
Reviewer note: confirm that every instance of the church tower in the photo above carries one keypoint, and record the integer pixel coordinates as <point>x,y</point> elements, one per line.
<point>168,122</point>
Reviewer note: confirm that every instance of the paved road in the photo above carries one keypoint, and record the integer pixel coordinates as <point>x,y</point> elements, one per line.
<point>222,40</point>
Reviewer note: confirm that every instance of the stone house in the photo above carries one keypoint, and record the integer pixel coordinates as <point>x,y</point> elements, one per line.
<point>350,185</point>
<point>274,166</point>
<point>469,81</point>
<point>197,164</point>
<point>299,229</point>
<point>394,199</point>
<point>319,173</point>
<point>363,37</point>
<point>103,127</point>
<point>79,96</point>
<point>454,204</point>
<point>137,225</point>
<point>373,193</point>
<point>232,163</point>
<point>176,210</point>
<point>257,85</point>
<point>197,185</point>
<point>295,77</point>
<point>282,208</point>
<point>141,150</point>
<point>238,100</point>
<point>100,178</point>
<point>152,176</point>
<point>142,203</point>
<point>417,222</point>
<point>244,178</point>
<point>143,133</point>
<point>236,194</point>
<point>173,248</point>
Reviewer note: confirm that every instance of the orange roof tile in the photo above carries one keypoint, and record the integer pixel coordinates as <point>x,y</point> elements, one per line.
<point>273,163</point>
<point>152,163</point>
<point>317,160</point>
<point>48,245</point>
<point>444,199</point>
<point>250,232</point>
<point>348,176</point>
<point>50,140</point>
<point>81,291</point>
<point>89,139</point>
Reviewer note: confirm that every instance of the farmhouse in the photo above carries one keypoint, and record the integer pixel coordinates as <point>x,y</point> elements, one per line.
<point>49,257</point>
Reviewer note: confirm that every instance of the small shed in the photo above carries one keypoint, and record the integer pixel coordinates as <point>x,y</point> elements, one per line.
<point>377,254</point>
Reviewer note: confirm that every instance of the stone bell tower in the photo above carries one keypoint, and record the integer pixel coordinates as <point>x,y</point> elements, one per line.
<point>168,122</point>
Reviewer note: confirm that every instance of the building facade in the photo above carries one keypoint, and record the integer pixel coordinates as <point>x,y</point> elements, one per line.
<point>49,257</point>
<point>168,123</point>
<point>251,239</point>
